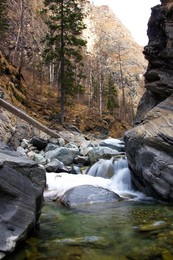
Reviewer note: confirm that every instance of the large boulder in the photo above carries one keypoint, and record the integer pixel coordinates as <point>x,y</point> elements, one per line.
<point>150,154</point>
<point>63,154</point>
<point>149,145</point>
<point>21,197</point>
<point>87,194</point>
<point>101,152</point>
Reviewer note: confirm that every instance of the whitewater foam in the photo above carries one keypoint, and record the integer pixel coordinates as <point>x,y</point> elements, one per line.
<point>120,183</point>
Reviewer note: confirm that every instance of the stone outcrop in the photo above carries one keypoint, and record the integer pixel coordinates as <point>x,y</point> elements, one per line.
<point>87,194</point>
<point>149,145</point>
<point>21,197</point>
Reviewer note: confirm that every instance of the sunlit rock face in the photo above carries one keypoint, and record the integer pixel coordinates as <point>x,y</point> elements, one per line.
<point>149,145</point>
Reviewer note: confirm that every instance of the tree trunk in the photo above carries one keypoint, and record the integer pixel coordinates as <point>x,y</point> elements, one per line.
<point>123,106</point>
<point>100,96</point>
<point>90,86</point>
<point>62,98</point>
<point>27,118</point>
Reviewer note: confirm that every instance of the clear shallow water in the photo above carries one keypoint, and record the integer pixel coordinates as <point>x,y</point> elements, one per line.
<point>133,229</point>
<point>101,232</point>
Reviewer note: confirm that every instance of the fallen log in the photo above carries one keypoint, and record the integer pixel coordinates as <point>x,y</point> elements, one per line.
<point>21,114</point>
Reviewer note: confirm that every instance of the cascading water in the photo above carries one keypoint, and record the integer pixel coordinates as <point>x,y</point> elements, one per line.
<point>121,181</point>
<point>112,174</point>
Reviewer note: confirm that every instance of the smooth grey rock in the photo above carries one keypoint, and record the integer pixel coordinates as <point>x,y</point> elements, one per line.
<point>113,144</point>
<point>101,153</point>
<point>56,166</point>
<point>63,154</point>
<point>51,147</point>
<point>40,159</point>
<point>87,194</point>
<point>85,150</point>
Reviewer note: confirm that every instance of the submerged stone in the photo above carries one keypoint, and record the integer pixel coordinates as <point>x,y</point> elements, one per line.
<point>88,241</point>
<point>151,227</point>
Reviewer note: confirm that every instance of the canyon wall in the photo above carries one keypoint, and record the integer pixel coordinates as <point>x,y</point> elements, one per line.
<point>149,145</point>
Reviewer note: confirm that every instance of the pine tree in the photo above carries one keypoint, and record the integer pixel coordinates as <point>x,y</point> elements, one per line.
<point>112,95</point>
<point>63,45</point>
<point>3,18</point>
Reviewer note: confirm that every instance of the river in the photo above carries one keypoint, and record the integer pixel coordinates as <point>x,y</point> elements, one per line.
<point>136,228</point>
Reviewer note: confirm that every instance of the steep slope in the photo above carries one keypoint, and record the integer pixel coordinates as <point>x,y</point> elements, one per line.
<point>26,29</point>
<point>13,90</point>
<point>109,44</point>
<point>114,47</point>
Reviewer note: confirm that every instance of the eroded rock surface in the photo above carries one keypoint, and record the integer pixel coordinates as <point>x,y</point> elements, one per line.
<point>149,145</point>
<point>21,197</point>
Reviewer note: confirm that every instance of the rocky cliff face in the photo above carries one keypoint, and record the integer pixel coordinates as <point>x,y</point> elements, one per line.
<point>109,44</point>
<point>26,29</point>
<point>149,144</point>
<point>112,46</point>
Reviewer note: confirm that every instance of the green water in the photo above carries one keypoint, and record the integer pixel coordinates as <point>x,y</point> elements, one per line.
<point>101,232</point>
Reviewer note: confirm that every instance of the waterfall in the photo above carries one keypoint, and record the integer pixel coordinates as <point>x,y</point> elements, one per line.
<point>97,175</point>
<point>120,164</point>
<point>121,182</point>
